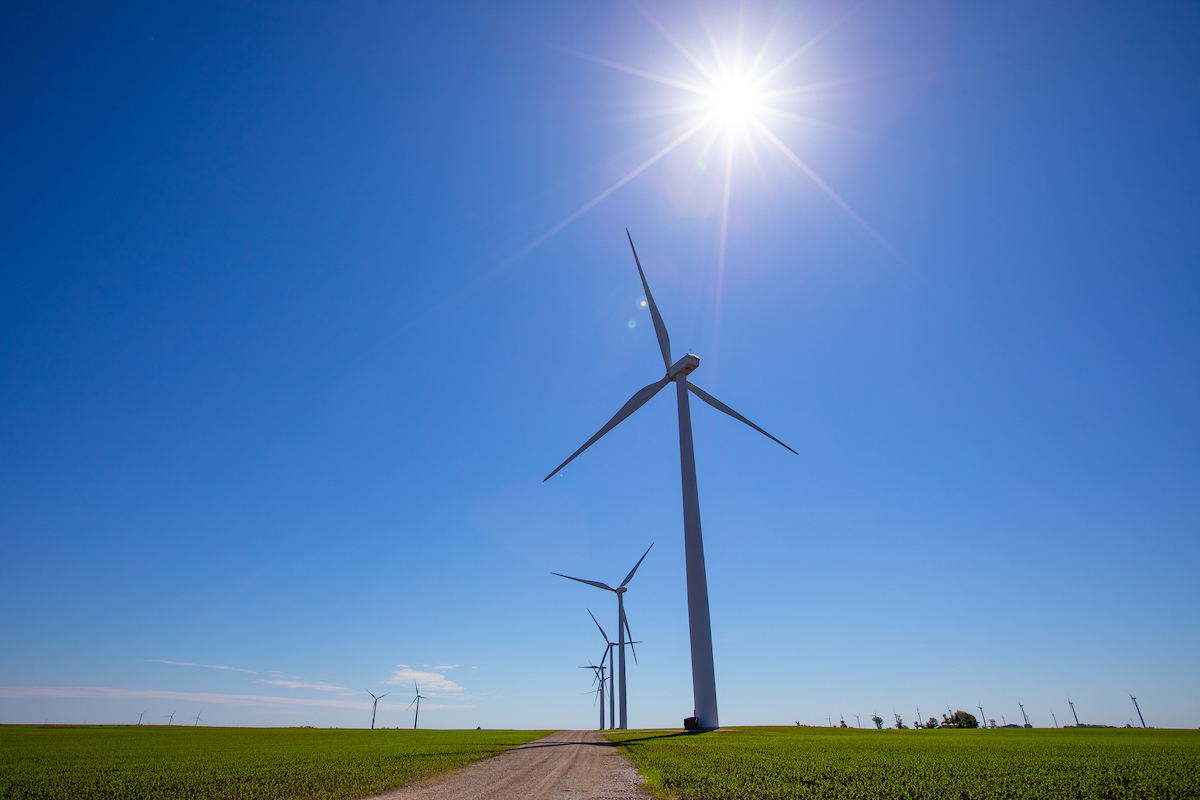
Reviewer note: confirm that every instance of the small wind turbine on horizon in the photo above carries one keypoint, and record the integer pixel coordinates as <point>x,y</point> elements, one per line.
<point>375,704</point>
<point>859,719</point>
<point>622,626</point>
<point>417,700</point>
<point>1054,718</point>
<point>1073,714</point>
<point>704,680</point>
<point>1023,714</point>
<point>1135,705</point>
<point>197,719</point>
<point>982,718</point>
<point>170,718</point>
<point>142,715</point>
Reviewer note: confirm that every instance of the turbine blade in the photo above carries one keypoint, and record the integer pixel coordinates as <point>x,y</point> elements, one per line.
<point>629,633</point>
<point>635,566</point>
<point>410,705</point>
<point>664,341</point>
<point>635,402</point>
<point>597,584</point>
<point>602,633</point>
<point>719,406</point>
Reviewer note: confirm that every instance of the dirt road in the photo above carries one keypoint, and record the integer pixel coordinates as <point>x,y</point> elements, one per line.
<point>567,764</point>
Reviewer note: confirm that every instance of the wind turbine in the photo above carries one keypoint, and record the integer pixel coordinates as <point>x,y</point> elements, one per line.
<point>1135,705</point>
<point>1023,714</point>
<point>857,717</point>
<point>417,700</point>
<point>598,671</point>
<point>375,704</point>
<point>197,719</point>
<point>1076,716</point>
<point>170,718</point>
<point>142,715</point>
<point>704,679</point>
<point>982,719</point>
<point>1054,718</point>
<point>920,719</point>
<point>622,623</point>
<point>609,644</point>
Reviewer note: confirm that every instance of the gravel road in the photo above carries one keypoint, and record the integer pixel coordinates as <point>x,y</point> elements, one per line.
<point>567,764</point>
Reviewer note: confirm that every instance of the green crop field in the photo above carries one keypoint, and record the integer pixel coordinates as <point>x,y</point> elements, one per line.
<point>153,761</point>
<point>797,762</point>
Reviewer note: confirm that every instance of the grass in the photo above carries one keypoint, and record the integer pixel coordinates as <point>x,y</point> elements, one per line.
<point>795,762</point>
<point>192,763</point>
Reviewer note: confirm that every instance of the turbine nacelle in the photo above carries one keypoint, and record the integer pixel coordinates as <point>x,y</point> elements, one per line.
<point>684,366</point>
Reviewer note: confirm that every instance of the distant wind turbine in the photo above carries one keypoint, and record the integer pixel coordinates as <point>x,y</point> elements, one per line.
<point>982,719</point>
<point>704,681</point>
<point>375,704</point>
<point>608,653</point>
<point>857,717</point>
<point>142,715</point>
<point>1023,714</point>
<point>598,677</point>
<point>170,718</point>
<point>1076,716</point>
<point>1135,705</point>
<point>622,626</point>
<point>197,719</point>
<point>417,700</point>
<point>920,719</point>
<point>1054,718</point>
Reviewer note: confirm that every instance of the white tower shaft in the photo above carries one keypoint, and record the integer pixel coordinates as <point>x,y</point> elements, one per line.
<point>704,679</point>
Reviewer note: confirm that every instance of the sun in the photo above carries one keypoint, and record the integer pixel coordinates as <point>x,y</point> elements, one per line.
<point>735,90</point>
<point>735,100</point>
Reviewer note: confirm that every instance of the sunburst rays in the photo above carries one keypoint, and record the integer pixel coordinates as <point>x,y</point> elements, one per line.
<point>732,97</point>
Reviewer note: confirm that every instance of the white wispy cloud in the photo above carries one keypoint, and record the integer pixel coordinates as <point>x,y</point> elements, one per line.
<point>452,666</point>
<point>206,666</point>
<point>431,682</point>
<point>319,686</point>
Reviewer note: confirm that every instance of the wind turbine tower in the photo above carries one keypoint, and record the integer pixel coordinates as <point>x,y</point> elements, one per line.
<point>857,717</point>
<point>141,715</point>
<point>1023,714</point>
<point>1054,718</point>
<point>170,717</point>
<point>196,719</point>
<point>704,680</point>
<point>1073,714</point>
<point>375,704</point>
<point>982,718</point>
<point>1135,705</point>
<point>622,623</point>
<point>417,700</point>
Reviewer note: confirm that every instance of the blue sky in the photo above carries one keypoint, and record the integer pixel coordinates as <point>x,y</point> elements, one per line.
<point>280,374</point>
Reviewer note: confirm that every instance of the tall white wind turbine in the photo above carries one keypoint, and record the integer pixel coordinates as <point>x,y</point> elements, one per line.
<point>704,681</point>
<point>375,704</point>
<point>622,624</point>
<point>417,700</point>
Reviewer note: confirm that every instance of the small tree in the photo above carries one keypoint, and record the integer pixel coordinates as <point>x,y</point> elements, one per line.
<point>933,723</point>
<point>900,726</point>
<point>878,720</point>
<point>964,719</point>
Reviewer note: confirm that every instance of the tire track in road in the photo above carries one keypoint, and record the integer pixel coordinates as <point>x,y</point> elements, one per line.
<point>568,765</point>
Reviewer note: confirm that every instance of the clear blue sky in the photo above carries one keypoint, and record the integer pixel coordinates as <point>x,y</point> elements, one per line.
<point>276,396</point>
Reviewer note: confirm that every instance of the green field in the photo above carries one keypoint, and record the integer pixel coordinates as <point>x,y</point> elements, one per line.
<point>797,762</point>
<point>80,762</point>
